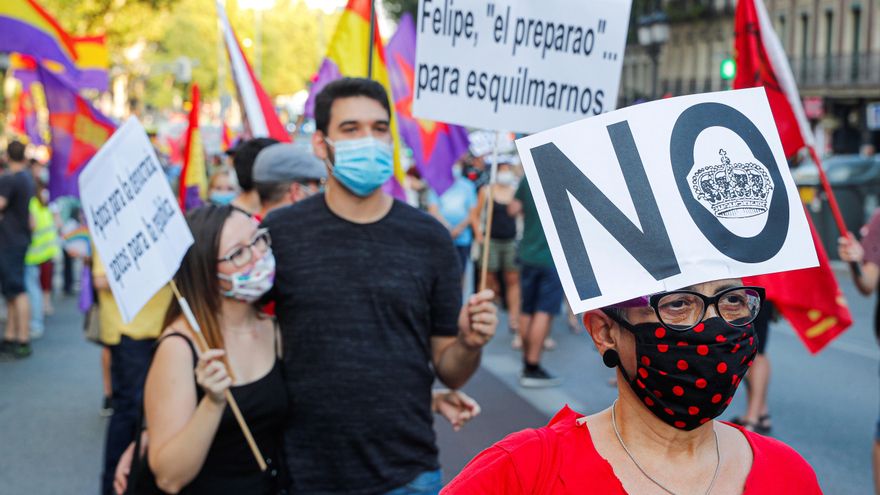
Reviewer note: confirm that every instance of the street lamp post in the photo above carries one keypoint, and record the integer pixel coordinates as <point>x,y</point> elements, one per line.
<point>653,33</point>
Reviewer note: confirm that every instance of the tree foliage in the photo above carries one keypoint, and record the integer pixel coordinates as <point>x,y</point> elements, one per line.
<point>147,37</point>
<point>123,21</point>
<point>396,8</point>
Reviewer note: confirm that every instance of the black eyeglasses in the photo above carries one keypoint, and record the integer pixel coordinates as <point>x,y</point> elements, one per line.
<point>682,310</point>
<point>242,255</point>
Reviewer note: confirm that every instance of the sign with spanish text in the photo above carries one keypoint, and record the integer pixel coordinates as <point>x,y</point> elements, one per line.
<point>518,65</point>
<point>134,219</point>
<point>667,194</point>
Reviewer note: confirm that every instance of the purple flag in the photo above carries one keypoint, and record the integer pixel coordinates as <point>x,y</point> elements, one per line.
<point>84,79</point>
<point>78,131</point>
<point>327,73</point>
<point>97,79</point>
<point>86,291</point>
<point>436,146</point>
<point>32,123</point>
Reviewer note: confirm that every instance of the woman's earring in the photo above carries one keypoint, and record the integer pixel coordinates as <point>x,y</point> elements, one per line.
<point>611,358</point>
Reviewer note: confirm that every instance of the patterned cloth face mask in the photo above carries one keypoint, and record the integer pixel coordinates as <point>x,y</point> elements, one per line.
<point>250,285</point>
<point>688,378</point>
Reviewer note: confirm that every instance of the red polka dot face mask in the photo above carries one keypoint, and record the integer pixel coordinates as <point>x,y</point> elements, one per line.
<point>689,378</point>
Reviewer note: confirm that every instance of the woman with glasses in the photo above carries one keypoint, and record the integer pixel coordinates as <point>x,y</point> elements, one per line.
<point>680,356</point>
<point>195,444</point>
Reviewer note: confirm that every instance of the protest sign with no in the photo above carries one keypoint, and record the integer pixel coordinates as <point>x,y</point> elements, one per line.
<point>667,194</point>
<point>518,65</point>
<point>133,217</point>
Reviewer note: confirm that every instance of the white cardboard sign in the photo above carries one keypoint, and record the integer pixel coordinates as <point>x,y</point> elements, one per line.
<point>134,219</point>
<point>667,194</point>
<point>520,65</point>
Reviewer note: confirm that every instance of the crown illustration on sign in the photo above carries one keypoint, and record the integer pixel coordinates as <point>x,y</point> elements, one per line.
<point>733,190</point>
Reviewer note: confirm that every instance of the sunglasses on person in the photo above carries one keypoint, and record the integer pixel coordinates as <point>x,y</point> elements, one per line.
<point>242,255</point>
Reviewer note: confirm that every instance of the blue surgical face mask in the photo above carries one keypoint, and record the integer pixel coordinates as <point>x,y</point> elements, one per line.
<point>222,197</point>
<point>362,165</point>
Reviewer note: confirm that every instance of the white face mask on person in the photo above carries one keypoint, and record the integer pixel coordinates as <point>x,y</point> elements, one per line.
<point>506,178</point>
<point>250,285</point>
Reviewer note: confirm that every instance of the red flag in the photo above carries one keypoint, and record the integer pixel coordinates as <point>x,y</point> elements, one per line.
<point>20,113</point>
<point>226,137</point>
<point>193,185</point>
<point>260,117</point>
<point>809,299</point>
<point>761,61</point>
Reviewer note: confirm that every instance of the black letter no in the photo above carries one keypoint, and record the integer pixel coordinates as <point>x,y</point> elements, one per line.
<point>559,177</point>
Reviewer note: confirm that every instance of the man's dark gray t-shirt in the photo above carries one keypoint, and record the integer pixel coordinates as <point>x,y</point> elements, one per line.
<point>358,305</point>
<point>15,227</point>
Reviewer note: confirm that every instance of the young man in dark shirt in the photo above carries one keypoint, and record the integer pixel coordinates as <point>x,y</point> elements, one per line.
<point>368,295</point>
<point>16,191</point>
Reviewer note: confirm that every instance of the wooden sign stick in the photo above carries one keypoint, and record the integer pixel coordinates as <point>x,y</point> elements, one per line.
<point>490,209</point>
<point>233,405</point>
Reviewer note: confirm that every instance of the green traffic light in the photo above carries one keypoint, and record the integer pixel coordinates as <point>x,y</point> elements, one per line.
<point>728,69</point>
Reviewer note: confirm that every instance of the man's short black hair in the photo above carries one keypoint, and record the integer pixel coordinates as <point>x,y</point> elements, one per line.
<point>347,87</point>
<point>15,151</point>
<point>243,161</point>
<point>272,192</point>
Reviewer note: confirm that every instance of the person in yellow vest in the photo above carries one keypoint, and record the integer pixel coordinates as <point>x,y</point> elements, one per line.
<point>131,346</point>
<point>38,260</point>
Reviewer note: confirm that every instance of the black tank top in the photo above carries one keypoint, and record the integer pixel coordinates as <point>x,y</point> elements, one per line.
<point>230,467</point>
<point>503,225</point>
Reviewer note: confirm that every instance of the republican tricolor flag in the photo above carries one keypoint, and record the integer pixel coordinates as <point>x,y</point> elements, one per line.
<point>193,186</point>
<point>226,137</point>
<point>78,130</point>
<point>26,27</point>
<point>436,145</point>
<point>260,118</point>
<point>92,65</point>
<point>93,62</point>
<point>348,56</point>
<point>25,120</point>
<point>809,299</point>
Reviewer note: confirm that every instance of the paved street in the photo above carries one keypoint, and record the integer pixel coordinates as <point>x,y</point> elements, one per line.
<point>824,406</point>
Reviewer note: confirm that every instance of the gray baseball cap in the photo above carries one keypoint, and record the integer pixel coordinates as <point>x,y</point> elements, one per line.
<point>287,162</point>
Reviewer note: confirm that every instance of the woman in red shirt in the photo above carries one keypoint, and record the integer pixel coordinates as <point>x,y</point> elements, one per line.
<point>680,356</point>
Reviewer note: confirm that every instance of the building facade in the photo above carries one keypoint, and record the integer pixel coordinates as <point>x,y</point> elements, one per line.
<point>833,47</point>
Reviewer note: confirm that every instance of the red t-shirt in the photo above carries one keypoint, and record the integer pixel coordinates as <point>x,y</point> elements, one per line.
<point>560,459</point>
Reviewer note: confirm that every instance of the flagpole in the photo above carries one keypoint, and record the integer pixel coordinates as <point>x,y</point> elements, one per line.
<point>832,203</point>
<point>372,35</point>
<point>490,209</point>
<point>230,399</point>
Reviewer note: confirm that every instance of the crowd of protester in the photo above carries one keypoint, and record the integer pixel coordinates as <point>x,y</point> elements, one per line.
<point>329,310</point>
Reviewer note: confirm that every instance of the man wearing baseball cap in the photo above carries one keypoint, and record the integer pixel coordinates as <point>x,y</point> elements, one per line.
<point>284,174</point>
